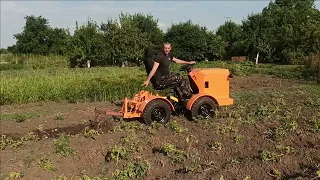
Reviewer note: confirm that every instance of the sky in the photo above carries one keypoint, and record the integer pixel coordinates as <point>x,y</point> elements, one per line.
<point>64,14</point>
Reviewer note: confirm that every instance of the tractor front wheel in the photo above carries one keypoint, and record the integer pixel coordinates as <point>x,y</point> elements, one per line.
<point>204,107</point>
<point>157,110</point>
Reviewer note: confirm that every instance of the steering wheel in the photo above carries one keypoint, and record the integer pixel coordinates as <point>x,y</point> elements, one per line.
<point>186,67</point>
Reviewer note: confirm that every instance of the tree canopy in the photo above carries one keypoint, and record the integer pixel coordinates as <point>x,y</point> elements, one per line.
<point>283,32</point>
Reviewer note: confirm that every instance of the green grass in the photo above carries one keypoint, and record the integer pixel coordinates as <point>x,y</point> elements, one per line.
<point>16,62</point>
<point>18,117</point>
<point>54,81</point>
<point>97,84</point>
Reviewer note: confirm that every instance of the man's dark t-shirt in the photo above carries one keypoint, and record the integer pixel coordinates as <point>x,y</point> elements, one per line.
<point>164,62</point>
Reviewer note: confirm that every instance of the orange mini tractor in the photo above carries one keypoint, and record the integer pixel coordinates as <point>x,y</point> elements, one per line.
<point>211,89</point>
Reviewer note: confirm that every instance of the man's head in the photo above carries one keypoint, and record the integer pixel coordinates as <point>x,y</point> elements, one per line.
<point>166,48</point>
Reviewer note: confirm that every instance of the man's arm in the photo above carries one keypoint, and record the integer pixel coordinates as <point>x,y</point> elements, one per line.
<point>179,61</point>
<point>152,72</point>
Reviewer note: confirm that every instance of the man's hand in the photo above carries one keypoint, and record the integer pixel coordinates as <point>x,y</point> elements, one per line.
<point>146,83</point>
<point>192,62</point>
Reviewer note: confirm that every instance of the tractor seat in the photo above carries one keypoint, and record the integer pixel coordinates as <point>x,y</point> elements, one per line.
<point>162,85</point>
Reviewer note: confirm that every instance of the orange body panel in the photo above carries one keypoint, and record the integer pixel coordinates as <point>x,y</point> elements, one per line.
<point>212,82</point>
<point>135,107</point>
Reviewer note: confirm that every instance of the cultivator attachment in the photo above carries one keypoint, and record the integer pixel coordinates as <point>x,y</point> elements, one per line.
<point>133,108</point>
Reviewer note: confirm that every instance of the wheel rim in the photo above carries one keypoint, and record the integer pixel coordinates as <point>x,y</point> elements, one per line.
<point>205,110</point>
<point>158,114</point>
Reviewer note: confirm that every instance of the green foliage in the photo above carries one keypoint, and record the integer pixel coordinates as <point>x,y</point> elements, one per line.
<point>147,24</point>
<point>38,37</point>
<point>62,147</point>
<point>107,84</point>
<point>283,32</point>
<point>132,170</point>
<point>189,40</point>
<point>216,47</point>
<point>232,33</point>
<point>176,155</point>
<point>128,41</point>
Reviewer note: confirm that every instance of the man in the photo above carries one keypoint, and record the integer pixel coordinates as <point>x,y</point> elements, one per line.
<point>161,66</point>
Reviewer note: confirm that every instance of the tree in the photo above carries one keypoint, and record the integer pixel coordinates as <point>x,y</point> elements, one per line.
<point>189,40</point>
<point>125,41</point>
<point>86,44</point>
<point>149,25</point>
<point>284,31</point>
<point>257,37</point>
<point>216,47</point>
<point>232,34</point>
<point>3,51</point>
<point>34,37</point>
<point>57,41</point>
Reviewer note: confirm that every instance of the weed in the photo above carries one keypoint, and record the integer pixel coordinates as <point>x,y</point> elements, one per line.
<point>176,155</point>
<point>85,177</point>
<point>195,164</point>
<point>27,160</point>
<point>315,124</point>
<point>248,120</point>
<point>132,170</point>
<point>277,154</point>
<point>127,126</point>
<point>128,146</point>
<point>61,177</point>
<point>117,153</point>
<point>46,164</point>
<point>20,118</point>
<point>9,142</point>
<point>286,125</point>
<point>224,129</point>
<point>270,156</point>
<point>312,103</point>
<point>30,137</point>
<point>90,133</point>
<point>62,146</point>
<point>174,126</point>
<point>262,110</point>
<point>285,150</point>
<point>276,133</point>
<point>59,117</point>
<point>276,174</point>
<point>13,175</point>
<point>132,143</point>
<point>238,138</point>
<point>154,126</point>
<point>215,145</point>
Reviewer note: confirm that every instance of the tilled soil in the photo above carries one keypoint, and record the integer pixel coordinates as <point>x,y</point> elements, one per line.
<point>231,146</point>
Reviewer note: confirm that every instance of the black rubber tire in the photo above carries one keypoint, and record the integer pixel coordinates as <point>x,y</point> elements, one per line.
<point>163,107</point>
<point>207,103</point>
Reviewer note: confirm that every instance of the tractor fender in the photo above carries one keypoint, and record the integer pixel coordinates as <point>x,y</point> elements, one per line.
<point>197,96</point>
<point>143,105</point>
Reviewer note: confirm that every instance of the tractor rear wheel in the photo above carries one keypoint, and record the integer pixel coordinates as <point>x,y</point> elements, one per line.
<point>204,107</point>
<point>157,110</point>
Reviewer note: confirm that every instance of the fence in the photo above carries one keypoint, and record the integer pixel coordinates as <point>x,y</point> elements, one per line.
<point>239,58</point>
